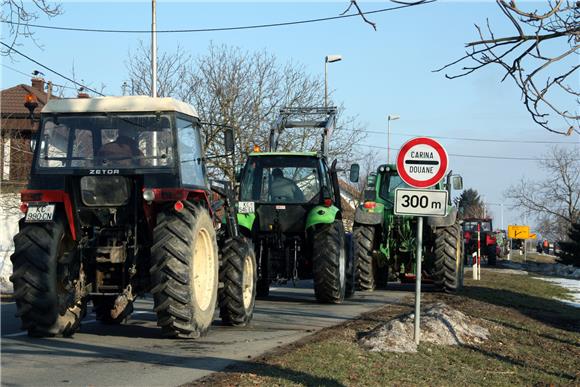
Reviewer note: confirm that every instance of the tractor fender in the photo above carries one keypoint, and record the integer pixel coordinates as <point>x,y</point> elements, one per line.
<point>246,220</point>
<point>322,215</point>
<point>363,216</point>
<point>443,221</point>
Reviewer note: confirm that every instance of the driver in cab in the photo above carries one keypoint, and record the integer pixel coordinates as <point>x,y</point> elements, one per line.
<point>284,190</point>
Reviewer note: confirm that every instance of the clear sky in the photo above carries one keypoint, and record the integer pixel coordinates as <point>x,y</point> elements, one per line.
<point>384,72</point>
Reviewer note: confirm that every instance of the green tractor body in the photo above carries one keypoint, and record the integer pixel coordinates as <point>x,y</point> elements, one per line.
<point>290,207</point>
<point>385,243</point>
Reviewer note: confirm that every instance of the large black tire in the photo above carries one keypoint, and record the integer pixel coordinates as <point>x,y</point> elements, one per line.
<point>45,297</point>
<point>102,306</point>
<point>329,262</point>
<point>364,239</point>
<point>350,267</point>
<point>184,271</point>
<point>447,252</point>
<point>238,274</point>
<point>491,255</point>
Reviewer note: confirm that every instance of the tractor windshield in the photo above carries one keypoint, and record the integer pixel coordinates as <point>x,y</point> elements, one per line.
<point>105,141</point>
<point>389,183</point>
<point>472,225</point>
<point>281,179</point>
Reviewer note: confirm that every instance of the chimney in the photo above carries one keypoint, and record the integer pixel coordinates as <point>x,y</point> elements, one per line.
<point>38,83</point>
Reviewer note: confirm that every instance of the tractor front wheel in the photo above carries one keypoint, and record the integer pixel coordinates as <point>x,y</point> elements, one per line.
<point>238,275</point>
<point>45,277</point>
<point>329,262</point>
<point>184,271</point>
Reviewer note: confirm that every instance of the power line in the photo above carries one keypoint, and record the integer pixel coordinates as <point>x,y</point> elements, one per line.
<point>235,28</point>
<point>28,76</point>
<point>475,139</point>
<point>475,156</point>
<point>51,70</point>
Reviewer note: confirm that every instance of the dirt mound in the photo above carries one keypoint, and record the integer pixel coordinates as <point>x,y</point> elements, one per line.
<point>440,324</point>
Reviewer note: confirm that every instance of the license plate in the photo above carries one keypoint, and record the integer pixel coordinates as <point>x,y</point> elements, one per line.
<point>40,213</point>
<point>246,207</point>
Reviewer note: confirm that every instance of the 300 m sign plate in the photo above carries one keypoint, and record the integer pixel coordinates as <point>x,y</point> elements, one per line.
<point>420,202</point>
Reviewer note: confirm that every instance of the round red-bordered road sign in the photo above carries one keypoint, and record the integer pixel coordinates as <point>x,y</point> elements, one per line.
<point>422,162</point>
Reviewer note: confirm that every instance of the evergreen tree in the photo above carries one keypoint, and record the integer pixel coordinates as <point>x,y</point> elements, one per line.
<point>570,249</point>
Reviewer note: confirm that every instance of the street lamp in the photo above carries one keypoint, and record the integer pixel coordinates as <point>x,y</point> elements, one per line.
<point>328,59</point>
<point>390,117</point>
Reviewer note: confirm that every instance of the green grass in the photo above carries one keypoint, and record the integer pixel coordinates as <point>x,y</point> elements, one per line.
<point>534,340</point>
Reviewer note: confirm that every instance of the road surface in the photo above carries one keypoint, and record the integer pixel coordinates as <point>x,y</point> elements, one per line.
<point>135,354</point>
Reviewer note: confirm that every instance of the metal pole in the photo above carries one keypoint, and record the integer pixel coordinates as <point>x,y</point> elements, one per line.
<point>389,139</point>
<point>153,48</point>
<point>501,207</point>
<point>418,279</point>
<point>478,251</point>
<point>325,83</point>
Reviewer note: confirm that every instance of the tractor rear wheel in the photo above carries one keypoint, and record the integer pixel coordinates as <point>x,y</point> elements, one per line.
<point>329,262</point>
<point>448,257</point>
<point>238,275</point>
<point>491,255</point>
<point>364,239</point>
<point>45,273</point>
<point>102,306</point>
<point>184,271</point>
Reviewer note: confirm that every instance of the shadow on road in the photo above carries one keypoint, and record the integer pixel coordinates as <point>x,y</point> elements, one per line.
<point>93,353</point>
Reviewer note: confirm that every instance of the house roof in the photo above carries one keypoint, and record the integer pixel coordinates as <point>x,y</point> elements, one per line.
<point>14,115</point>
<point>13,99</point>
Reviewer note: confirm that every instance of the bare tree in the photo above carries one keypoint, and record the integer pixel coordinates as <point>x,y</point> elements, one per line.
<point>541,57</point>
<point>470,205</point>
<point>555,201</point>
<point>18,14</point>
<point>243,90</point>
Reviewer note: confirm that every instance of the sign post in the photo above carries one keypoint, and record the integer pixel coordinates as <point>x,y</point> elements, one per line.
<point>418,280</point>
<point>421,163</point>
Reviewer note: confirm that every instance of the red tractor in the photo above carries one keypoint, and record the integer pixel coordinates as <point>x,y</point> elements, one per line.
<point>487,238</point>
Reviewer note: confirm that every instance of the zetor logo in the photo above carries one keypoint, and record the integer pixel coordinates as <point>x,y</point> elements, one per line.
<point>103,171</point>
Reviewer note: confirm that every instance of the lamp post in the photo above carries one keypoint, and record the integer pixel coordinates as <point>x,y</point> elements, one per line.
<point>390,117</point>
<point>328,59</point>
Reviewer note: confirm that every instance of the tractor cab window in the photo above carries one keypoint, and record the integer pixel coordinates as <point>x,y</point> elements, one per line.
<point>191,161</point>
<point>106,141</point>
<point>281,179</point>
<point>389,183</point>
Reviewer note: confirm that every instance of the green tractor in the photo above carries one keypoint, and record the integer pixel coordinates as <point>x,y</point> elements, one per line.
<point>290,207</point>
<point>384,243</point>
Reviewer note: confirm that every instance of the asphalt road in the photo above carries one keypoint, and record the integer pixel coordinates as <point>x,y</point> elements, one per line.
<point>135,354</point>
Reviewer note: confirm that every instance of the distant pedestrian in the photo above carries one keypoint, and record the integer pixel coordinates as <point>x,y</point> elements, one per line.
<point>546,246</point>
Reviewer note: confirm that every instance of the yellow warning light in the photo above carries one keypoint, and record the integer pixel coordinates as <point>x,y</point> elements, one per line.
<point>257,148</point>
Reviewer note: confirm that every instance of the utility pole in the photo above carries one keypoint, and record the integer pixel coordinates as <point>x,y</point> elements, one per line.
<point>153,48</point>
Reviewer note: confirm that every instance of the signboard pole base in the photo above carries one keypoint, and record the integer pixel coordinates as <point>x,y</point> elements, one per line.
<point>418,279</point>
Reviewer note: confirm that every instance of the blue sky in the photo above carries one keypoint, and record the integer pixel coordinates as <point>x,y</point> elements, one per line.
<point>384,72</point>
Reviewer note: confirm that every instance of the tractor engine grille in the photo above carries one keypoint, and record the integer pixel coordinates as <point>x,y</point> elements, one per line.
<point>111,191</point>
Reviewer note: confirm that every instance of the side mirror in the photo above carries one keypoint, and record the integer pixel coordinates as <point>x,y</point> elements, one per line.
<point>32,144</point>
<point>229,140</point>
<point>372,180</point>
<point>354,173</point>
<point>457,182</point>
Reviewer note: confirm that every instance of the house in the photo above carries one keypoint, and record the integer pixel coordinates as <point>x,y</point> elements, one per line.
<point>17,128</point>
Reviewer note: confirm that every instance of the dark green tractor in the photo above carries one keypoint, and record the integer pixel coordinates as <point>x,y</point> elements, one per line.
<point>290,207</point>
<point>384,243</point>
